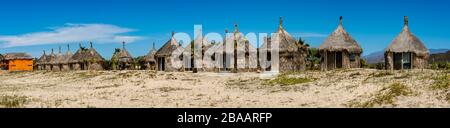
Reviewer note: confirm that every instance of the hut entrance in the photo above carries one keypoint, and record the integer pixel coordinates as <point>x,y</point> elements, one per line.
<point>334,60</point>
<point>161,63</point>
<point>402,61</point>
<point>338,59</point>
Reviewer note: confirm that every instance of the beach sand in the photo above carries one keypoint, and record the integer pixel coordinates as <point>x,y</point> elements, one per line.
<point>149,89</point>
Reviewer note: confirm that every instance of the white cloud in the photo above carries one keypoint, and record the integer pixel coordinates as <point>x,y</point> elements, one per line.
<point>69,33</point>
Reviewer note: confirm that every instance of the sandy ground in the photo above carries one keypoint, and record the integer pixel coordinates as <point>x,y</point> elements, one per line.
<point>147,89</point>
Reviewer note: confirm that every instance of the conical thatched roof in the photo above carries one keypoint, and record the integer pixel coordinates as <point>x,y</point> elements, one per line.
<point>243,44</point>
<point>150,57</point>
<point>286,42</point>
<point>42,59</point>
<point>59,58</point>
<point>122,55</point>
<point>340,40</point>
<point>407,42</point>
<point>84,54</point>
<point>170,46</point>
<point>68,55</point>
<point>51,58</point>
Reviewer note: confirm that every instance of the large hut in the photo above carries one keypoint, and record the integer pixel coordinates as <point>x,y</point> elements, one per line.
<point>164,56</point>
<point>149,62</point>
<point>340,50</point>
<point>122,59</point>
<point>65,65</point>
<point>87,59</point>
<point>406,51</point>
<point>292,54</point>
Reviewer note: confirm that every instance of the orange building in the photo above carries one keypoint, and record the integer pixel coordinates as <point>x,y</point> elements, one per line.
<point>17,62</point>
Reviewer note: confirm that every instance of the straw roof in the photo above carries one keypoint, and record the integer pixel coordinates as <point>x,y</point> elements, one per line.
<point>51,58</point>
<point>68,55</point>
<point>84,54</point>
<point>340,40</point>
<point>170,46</point>
<point>407,42</point>
<point>59,58</point>
<point>122,55</point>
<point>286,42</point>
<point>42,59</point>
<point>13,56</point>
<point>150,57</point>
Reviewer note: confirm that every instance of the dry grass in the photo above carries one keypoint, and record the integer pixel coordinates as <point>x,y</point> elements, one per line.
<point>386,95</point>
<point>287,79</point>
<point>12,101</point>
<point>441,82</point>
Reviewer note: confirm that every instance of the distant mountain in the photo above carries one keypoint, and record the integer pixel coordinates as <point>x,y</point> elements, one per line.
<point>378,57</point>
<point>375,57</point>
<point>440,57</point>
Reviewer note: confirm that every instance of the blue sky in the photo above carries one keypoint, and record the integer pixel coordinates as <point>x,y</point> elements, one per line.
<point>35,25</point>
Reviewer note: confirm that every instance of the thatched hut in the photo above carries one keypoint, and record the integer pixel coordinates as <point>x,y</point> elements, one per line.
<point>406,51</point>
<point>122,59</point>
<point>50,60</point>
<point>40,63</point>
<point>66,61</point>
<point>59,60</point>
<point>164,56</point>
<point>223,57</point>
<point>340,50</point>
<point>87,59</point>
<point>243,51</point>
<point>292,54</point>
<point>149,62</point>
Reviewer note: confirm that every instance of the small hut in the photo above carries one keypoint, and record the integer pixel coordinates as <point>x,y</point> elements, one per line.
<point>50,61</point>
<point>17,62</point>
<point>149,62</point>
<point>164,56</point>
<point>340,50</point>
<point>40,64</point>
<point>242,52</point>
<point>292,55</point>
<point>222,56</point>
<point>66,61</point>
<point>76,61</point>
<point>59,60</point>
<point>122,59</point>
<point>406,51</point>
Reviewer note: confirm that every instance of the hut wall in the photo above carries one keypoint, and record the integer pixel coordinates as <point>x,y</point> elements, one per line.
<point>389,60</point>
<point>65,67</point>
<point>357,62</point>
<point>345,60</point>
<point>48,67</point>
<point>168,67</point>
<point>95,66</point>
<point>56,67</point>
<point>76,66</point>
<point>419,62</point>
<point>292,61</point>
